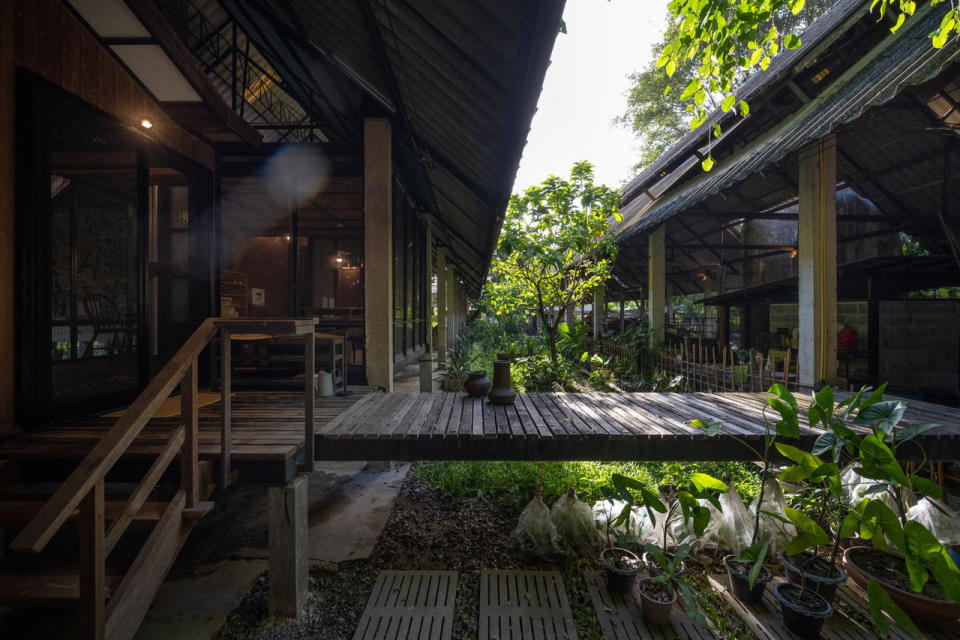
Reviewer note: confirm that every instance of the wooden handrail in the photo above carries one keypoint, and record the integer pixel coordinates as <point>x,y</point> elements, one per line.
<point>93,469</point>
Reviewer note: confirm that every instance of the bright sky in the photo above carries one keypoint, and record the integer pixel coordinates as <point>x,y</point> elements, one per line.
<point>585,90</point>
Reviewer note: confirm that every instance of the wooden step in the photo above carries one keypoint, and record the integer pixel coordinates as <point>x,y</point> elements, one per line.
<point>18,512</point>
<point>44,590</point>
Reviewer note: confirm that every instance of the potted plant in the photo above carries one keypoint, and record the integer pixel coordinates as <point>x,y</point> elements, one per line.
<point>745,571</point>
<point>682,502</point>
<point>811,558</point>
<point>457,367</point>
<point>658,592</point>
<point>620,565</point>
<point>907,573</point>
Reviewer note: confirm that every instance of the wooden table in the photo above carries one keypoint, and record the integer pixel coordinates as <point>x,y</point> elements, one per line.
<point>270,327</point>
<point>578,426</point>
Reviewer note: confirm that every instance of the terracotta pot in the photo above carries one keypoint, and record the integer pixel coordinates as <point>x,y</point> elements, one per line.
<point>915,605</point>
<point>826,586</point>
<point>806,622</point>
<point>655,611</point>
<point>502,393</point>
<point>477,384</point>
<point>740,585</point>
<point>619,580</point>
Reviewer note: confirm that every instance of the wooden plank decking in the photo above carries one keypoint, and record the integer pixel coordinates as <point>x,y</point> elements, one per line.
<point>266,444</point>
<point>576,426</point>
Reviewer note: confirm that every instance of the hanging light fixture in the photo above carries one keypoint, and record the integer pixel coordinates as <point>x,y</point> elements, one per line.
<point>146,123</point>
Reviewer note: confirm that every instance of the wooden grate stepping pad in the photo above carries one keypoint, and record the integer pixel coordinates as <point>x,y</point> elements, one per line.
<point>522,605</point>
<point>850,622</point>
<point>620,617</point>
<point>410,605</point>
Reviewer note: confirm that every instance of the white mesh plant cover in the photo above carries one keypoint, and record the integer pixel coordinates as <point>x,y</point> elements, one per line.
<point>938,518</point>
<point>772,528</point>
<point>731,528</point>
<point>575,524</point>
<point>535,530</point>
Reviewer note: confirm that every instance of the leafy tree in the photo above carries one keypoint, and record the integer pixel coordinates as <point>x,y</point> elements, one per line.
<point>659,121</point>
<point>554,249</point>
<point>723,39</point>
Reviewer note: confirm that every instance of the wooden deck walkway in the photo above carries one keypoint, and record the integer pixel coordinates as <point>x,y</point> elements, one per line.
<point>267,442</point>
<point>266,446</point>
<point>576,426</point>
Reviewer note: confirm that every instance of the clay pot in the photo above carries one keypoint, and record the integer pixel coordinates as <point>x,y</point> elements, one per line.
<point>915,605</point>
<point>825,586</point>
<point>740,585</point>
<point>805,621</point>
<point>619,580</point>
<point>502,393</point>
<point>477,384</point>
<point>655,611</point>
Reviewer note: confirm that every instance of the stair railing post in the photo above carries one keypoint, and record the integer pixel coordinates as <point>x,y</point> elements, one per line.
<point>189,456</point>
<point>92,569</point>
<point>309,395</point>
<point>226,408</point>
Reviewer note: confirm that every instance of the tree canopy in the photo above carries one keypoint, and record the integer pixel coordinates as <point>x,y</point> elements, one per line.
<point>721,41</point>
<point>554,249</point>
<point>655,115</point>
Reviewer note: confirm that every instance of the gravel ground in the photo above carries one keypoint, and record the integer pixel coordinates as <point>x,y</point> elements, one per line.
<point>426,530</point>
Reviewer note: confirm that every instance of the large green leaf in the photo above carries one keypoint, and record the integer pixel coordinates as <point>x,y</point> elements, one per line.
<point>703,482</point>
<point>882,415</point>
<point>806,525</point>
<point>881,603</point>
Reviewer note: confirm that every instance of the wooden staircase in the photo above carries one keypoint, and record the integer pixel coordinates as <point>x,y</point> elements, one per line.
<point>113,606</point>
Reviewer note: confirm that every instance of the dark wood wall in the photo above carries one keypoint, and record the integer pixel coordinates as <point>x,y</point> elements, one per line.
<point>53,43</point>
<point>7,213</point>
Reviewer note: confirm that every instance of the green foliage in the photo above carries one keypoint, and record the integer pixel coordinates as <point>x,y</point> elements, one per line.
<point>656,115</point>
<point>725,39</point>
<point>514,482</point>
<point>554,249</point>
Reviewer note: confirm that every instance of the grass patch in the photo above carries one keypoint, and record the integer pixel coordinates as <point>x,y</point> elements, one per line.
<point>513,483</point>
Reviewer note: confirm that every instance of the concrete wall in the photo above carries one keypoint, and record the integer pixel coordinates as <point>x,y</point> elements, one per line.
<point>852,314</point>
<point>920,345</point>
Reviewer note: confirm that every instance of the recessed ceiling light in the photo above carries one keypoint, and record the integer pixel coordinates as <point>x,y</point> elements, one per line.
<point>146,123</point>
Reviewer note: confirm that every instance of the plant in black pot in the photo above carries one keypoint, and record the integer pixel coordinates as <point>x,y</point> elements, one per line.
<point>745,571</point>
<point>907,572</point>
<point>811,558</point>
<point>658,592</point>
<point>676,503</point>
<point>620,565</point>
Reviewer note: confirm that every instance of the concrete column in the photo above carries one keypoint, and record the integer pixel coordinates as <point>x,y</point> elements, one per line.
<point>817,257</point>
<point>288,548</point>
<point>378,251</point>
<point>442,276</point>
<point>453,306</point>
<point>7,212</point>
<point>599,313</point>
<point>657,283</point>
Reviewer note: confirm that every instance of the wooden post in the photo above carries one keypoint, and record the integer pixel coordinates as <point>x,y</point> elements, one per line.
<point>428,289</point>
<point>873,332</point>
<point>93,581</point>
<point>657,283</point>
<point>723,325</point>
<point>599,312</point>
<point>378,251</point>
<point>8,21</point>
<point>309,397</point>
<point>226,408</point>
<point>189,461</point>
<point>442,345</point>
<point>817,236</point>
<point>288,547</point>
<point>426,373</point>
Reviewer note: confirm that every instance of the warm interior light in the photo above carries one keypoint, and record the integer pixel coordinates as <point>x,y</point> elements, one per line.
<point>286,237</point>
<point>146,123</point>
<point>339,259</point>
<point>793,253</point>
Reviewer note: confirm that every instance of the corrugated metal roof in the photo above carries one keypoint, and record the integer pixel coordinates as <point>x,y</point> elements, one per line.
<point>904,58</point>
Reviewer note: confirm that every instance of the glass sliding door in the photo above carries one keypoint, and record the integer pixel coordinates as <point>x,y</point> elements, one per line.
<point>113,255</point>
